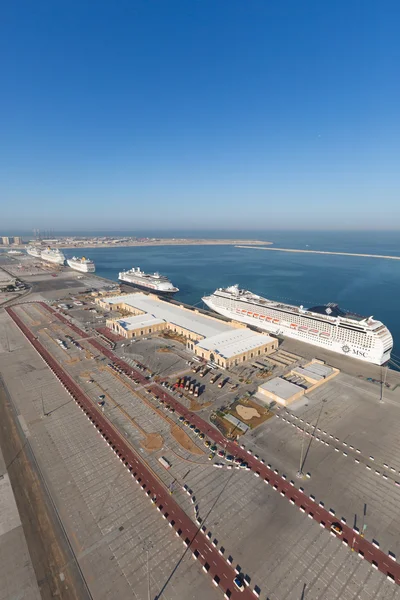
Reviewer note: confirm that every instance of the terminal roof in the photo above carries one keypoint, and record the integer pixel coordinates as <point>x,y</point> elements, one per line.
<point>281,388</point>
<point>138,321</point>
<point>180,316</point>
<point>234,342</point>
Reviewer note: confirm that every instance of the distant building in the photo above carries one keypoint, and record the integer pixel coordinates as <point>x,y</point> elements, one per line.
<point>17,240</point>
<point>6,280</point>
<point>5,240</point>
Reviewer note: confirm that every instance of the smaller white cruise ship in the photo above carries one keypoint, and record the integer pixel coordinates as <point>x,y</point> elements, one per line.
<point>150,282</point>
<point>53,255</point>
<point>85,265</point>
<point>34,251</point>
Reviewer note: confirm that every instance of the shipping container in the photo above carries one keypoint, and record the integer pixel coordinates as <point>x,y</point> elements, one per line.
<point>165,463</point>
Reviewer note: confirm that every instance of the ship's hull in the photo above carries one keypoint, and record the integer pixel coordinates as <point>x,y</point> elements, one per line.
<point>146,288</point>
<point>338,346</point>
<point>83,268</point>
<point>53,259</point>
<point>34,254</point>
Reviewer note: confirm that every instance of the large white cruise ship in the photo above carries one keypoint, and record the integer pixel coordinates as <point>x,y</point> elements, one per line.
<point>85,265</point>
<point>34,251</point>
<point>53,255</point>
<point>155,282</point>
<point>325,326</point>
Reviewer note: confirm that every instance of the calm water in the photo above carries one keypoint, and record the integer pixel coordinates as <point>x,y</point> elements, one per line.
<point>367,286</point>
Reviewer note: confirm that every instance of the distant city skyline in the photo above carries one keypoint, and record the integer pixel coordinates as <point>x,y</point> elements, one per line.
<point>181,115</point>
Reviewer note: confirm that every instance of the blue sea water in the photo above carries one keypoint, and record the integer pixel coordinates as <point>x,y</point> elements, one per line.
<point>368,286</point>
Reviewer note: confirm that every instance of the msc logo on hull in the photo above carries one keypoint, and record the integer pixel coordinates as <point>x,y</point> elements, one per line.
<point>347,349</point>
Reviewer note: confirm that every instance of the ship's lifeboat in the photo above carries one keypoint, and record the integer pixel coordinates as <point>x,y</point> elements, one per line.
<point>244,312</point>
<point>256,315</point>
<point>263,317</point>
<point>293,326</point>
<point>249,314</point>
<point>269,318</point>
<point>275,320</point>
<point>303,328</point>
<point>325,334</point>
<point>314,331</point>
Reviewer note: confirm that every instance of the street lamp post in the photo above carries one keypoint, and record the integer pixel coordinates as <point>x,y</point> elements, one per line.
<point>148,574</point>
<point>383,384</point>
<point>300,471</point>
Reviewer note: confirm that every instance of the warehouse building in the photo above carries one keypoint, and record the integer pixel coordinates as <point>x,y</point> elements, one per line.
<point>233,347</point>
<point>307,379</point>
<point>137,326</point>
<point>225,343</point>
<point>281,391</point>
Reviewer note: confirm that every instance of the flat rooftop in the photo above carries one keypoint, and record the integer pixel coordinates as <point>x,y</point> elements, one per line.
<point>137,321</point>
<point>177,315</point>
<point>281,388</point>
<point>306,372</point>
<point>234,342</point>
<point>323,370</point>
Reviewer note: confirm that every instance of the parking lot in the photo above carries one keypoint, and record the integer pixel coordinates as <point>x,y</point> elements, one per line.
<point>111,524</point>
<point>253,523</point>
<point>349,443</point>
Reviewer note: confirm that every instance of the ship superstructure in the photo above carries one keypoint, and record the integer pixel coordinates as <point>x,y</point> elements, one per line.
<point>85,265</point>
<point>34,251</point>
<point>53,255</point>
<point>326,326</point>
<point>151,282</point>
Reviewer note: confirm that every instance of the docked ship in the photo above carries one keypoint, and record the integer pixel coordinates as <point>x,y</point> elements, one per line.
<point>34,251</point>
<point>326,326</point>
<point>53,255</point>
<point>150,282</point>
<point>85,265</point>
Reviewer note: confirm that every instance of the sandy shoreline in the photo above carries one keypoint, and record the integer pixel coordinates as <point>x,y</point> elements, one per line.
<point>167,242</point>
<point>160,242</point>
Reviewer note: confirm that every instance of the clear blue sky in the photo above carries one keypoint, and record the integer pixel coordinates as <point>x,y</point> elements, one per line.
<point>200,113</point>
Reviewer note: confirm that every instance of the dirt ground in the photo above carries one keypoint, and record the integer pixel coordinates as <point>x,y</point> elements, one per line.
<point>247,412</point>
<point>184,440</point>
<point>253,421</point>
<point>152,441</point>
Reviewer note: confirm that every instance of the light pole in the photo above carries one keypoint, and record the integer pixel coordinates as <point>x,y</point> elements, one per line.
<point>148,574</point>
<point>300,471</point>
<point>44,412</point>
<point>383,383</point>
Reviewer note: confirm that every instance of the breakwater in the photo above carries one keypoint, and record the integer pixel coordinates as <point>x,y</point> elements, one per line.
<point>320,252</point>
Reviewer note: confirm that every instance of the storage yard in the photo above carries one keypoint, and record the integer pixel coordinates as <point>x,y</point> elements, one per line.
<point>175,476</point>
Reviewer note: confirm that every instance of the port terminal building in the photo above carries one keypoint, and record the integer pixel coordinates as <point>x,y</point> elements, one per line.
<point>227,343</point>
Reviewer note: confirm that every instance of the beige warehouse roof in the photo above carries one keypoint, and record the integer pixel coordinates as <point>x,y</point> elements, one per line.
<point>281,388</point>
<point>131,323</point>
<point>234,342</point>
<point>187,319</point>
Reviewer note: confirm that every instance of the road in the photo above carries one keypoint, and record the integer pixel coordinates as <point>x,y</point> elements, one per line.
<point>195,540</point>
<point>356,542</point>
